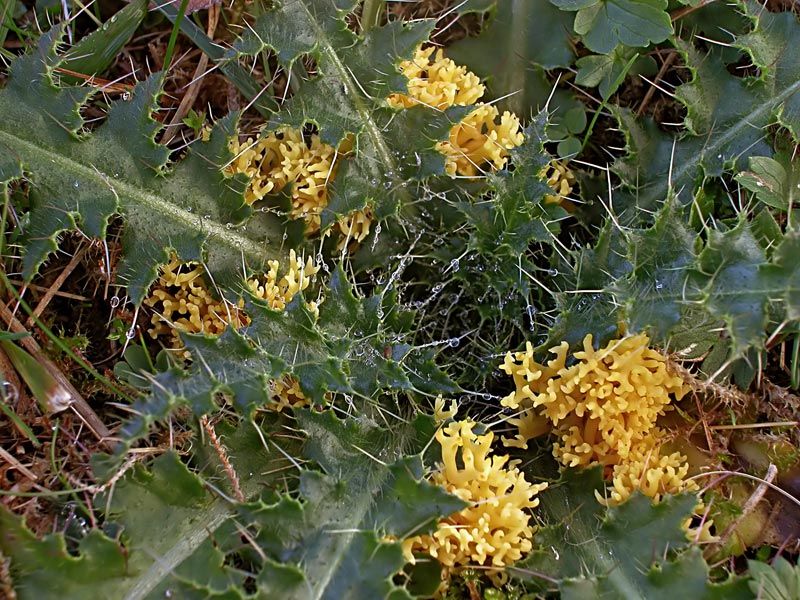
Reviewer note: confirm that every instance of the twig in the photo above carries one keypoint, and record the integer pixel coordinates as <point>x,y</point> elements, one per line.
<point>652,89</point>
<point>105,85</point>
<point>233,478</point>
<point>9,458</point>
<point>750,505</point>
<point>79,405</point>
<point>41,288</point>
<point>171,130</point>
<point>756,425</point>
<point>687,10</point>
<point>56,285</point>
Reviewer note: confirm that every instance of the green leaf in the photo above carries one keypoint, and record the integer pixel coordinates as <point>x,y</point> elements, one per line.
<point>95,52</point>
<point>604,70</point>
<point>332,543</point>
<point>619,552</point>
<point>194,209</point>
<point>52,397</point>
<point>774,181</point>
<point>778,581</point>
<point>605,24</point>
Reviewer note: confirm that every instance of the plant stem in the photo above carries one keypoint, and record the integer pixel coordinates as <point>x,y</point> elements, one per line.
<point>176,27</point>
<point>617,82</point>
<point>370,14</point>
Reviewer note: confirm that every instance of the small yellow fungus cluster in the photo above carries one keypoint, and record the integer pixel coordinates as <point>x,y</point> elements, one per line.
<point>494,530</point>
<point>284,158</point>
<point>182,302</point>
<point>602,410</point>
<point>479,141</point>
<point>278,291</point>
<point>286,393</point>
<point>649,470</point>
<point>561,179</point>
<point>439,83</point>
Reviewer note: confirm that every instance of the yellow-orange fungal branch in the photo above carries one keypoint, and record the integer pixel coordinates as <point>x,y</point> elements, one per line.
<point>436,81</point>
<point>494,530</point>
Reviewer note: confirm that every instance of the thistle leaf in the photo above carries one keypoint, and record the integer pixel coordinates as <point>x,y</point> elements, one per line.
<point>520,35</point>
<point>174,532</point>
<point>727,117</point>
<point>45,570</point>
<point>662,278</point>
<point>81,181</point>
<point>598,552</point>
<point>333,543</point>
<point>347,351</point>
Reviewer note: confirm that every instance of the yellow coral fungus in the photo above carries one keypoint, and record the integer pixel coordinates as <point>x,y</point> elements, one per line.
<point>442,414</point>
<point>354,228</point>
<point>182,301</point>
<point>561,179</point>
<point>283,158</point>
<point>271,161</point>
<point>494,530</point>
<point>278,292</point>
<point>286,393</point>
<point>439,83</point>
<point>649,470</point>
<point>479,142</point>
<point>600,406</point>
<point>603,410</point>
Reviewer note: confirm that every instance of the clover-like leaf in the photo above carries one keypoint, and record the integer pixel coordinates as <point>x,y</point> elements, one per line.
<point>604,24</point>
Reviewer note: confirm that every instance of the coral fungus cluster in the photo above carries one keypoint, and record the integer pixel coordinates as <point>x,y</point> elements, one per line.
<point>561,179</point>
<point>603,410</point>
<point>479,141</point>
<point>181,301</point>
<point>284,158</point>
<point>494,530</point>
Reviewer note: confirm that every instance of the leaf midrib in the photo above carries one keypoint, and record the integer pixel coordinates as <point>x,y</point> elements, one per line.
<point>123,189</point>
<point>354,92</point>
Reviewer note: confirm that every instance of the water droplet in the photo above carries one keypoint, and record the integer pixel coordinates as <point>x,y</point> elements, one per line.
<point>114,301</point>
<point>230,226</point>
<point>454,265</point>
<point>659,285</point>
<point>76,184</point>
<point>206,217</point>
<point>454,342</point>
